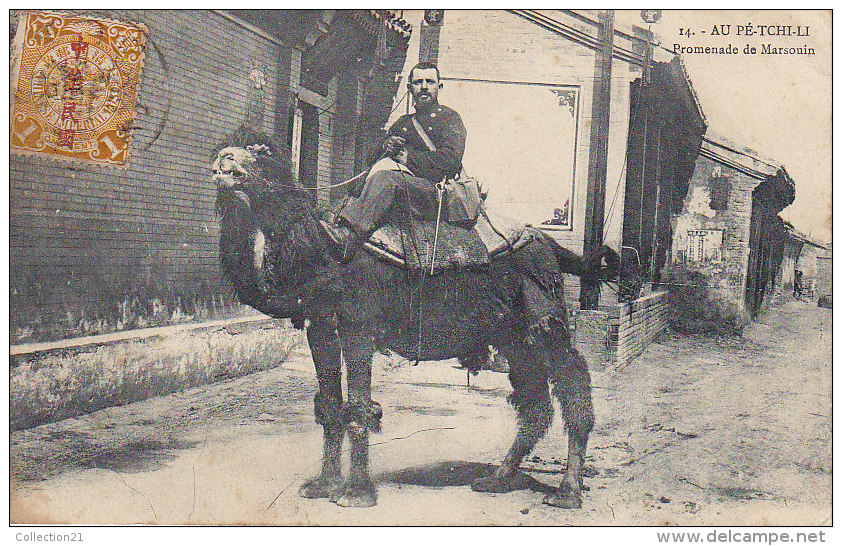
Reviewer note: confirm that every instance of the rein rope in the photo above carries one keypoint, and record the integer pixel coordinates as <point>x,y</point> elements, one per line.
<point>305,188</point>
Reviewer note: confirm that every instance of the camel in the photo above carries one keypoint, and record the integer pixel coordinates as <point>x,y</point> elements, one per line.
<point>281,262</point>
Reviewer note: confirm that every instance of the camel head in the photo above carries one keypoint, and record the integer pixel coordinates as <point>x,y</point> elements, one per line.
<point>233,166</point>
<point>269,234</point>
<point>248,163</point>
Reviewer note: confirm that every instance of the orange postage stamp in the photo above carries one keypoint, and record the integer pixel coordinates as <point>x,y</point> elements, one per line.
<point>75,88</point>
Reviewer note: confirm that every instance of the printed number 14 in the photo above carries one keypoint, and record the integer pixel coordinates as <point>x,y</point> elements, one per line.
<point>684,32</point>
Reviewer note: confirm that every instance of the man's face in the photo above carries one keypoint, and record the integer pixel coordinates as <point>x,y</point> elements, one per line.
<point>424,87</point>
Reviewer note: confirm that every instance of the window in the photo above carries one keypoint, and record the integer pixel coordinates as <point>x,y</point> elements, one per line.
<point>304,143</point>
<point>704,245</point>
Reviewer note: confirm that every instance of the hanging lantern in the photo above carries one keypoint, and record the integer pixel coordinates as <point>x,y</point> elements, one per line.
<point>651,15</point>
<point>434,17</point>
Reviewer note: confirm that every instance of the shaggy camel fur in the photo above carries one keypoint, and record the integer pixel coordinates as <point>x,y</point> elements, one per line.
<point>280,262</point>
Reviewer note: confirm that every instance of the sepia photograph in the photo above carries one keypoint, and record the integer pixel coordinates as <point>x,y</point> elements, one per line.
<point>421,267</point>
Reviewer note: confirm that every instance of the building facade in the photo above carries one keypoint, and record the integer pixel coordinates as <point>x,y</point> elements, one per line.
<point>805,263</point>
<point>94,250</point>
<point>729,231</point>
<point>814,261</point>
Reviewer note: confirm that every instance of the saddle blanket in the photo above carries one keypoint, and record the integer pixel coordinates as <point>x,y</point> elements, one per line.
<point>412,246</point>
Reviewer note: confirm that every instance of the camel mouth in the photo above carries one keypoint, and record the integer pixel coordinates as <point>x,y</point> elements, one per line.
<point>228,168</point>
<point>229,178</point>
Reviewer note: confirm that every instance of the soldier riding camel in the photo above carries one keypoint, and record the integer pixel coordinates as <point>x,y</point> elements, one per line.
<point>420,150</point>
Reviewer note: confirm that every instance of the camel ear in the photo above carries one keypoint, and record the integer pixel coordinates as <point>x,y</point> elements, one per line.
<point>258,149</point>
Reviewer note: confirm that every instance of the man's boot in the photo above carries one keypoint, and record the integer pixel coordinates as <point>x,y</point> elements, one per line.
<point>344,237</point>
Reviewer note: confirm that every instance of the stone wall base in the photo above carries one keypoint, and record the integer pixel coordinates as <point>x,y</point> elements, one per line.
<point>53,384</point>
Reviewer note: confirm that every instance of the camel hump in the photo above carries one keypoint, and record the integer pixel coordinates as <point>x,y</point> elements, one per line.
<point>412,246</point>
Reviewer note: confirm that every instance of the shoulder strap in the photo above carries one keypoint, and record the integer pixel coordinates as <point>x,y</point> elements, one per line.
<point>423,134</point>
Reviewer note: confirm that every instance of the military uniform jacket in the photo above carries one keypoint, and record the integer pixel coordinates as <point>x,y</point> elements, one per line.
<point>445,128</point>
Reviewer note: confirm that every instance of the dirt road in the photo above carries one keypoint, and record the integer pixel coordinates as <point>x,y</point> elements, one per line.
<point>695,432</point>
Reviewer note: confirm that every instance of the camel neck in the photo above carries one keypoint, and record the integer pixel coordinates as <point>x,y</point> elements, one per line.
<point>270,248</point>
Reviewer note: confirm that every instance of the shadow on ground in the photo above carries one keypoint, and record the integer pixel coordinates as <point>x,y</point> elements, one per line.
<point>138,456</point>
<point>455,474</point>
<point>495,391</point>
<point>74,448</point>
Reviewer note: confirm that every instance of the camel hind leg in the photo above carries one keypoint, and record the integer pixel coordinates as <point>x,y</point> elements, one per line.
<point>548,334</point>
<point>572,386</point>
<point>531,398</point>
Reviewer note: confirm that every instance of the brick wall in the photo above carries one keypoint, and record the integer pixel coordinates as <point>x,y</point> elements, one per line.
<point>634,325</point>
<point>737,231</point>
<point>617,334</point>
<point>344,141</point>
<point>93,249</point>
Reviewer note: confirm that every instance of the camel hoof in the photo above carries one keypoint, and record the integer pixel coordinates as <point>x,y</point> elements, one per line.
<point>565,497</point>
<point>319,488</point>
<point>506,484</point>
<point>358,495</point>
<point>558,501</point>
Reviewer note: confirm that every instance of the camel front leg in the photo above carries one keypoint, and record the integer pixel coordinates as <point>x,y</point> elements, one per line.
<point>362,414</point>
<point>326,350</point>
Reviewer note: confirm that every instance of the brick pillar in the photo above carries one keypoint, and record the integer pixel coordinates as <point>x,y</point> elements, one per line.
<point>591,338</point>
<point>326,132</point>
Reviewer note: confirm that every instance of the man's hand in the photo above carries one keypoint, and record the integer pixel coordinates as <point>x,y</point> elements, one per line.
<point>393,146</point>
<point>401,156</point>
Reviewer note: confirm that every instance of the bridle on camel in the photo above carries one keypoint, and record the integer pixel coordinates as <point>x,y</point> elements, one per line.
<point>266,154</point>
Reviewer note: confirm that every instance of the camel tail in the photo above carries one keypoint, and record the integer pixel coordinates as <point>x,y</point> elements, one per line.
<point>587,266</point>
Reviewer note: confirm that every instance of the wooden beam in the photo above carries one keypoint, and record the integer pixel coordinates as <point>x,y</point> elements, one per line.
<point>598,157</point>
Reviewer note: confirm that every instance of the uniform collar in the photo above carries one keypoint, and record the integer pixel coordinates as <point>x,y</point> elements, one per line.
<point>436,107</point>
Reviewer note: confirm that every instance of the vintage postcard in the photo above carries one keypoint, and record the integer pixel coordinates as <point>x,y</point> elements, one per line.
<point>377,267</point>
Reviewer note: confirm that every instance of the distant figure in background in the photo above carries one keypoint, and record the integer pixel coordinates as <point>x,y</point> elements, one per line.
<point>796,286</point>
